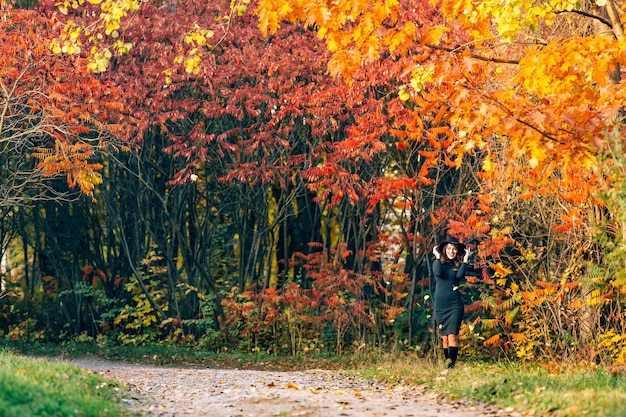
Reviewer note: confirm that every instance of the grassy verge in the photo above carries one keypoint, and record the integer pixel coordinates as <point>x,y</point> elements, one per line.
<point>174,355</point>
<point>36,387</point>
<point>530,389</point>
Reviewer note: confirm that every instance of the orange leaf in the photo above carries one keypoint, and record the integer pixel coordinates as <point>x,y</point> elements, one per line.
<point>494,340</point>
<point>485,208</point>
<point>428,154</point>
<point>562,228</point>
<point>449,162</point>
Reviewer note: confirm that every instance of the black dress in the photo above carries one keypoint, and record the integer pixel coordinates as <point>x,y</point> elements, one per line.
<point>448,302</point>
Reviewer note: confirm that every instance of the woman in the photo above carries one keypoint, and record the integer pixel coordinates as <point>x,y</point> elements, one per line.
<point>449,268</point>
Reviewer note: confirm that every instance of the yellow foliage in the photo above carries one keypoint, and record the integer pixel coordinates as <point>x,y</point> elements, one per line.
<point>421,76</point>
<point>613,345</point>
<point>434,34</point>
<point>98,61</point>
<point>500,270</point>
<point>70,160</point>
<point>122,47</point>
<point>168,76</point>
<point>404,96</point>
<point>113,11</point>
<point>268,23</point>
<point>551,109</point>
<point>487,164</point>
<point>192,64</point>
<point>198,36</point>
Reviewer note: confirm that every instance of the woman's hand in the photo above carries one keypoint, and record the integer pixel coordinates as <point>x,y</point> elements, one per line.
<point>468,252</point>
<point>436,252</point>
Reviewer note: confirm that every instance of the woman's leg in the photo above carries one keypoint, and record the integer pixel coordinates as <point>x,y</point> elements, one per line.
<point>453,349</point>
<point>446,345</point>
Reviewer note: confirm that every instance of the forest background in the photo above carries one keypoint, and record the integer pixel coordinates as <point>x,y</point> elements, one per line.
<point>271,176</point>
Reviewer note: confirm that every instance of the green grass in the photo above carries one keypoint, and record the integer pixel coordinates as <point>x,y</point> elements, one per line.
<point>41,388</point>
<point>572,391</point>
<point>528,388</point>
<point>175,355</point>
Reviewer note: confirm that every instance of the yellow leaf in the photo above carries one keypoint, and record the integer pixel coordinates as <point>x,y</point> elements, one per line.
<point>331,42</point>
<point>168,76</point>
<point>501,271</point>
<point>285,9</point>
<point>268,22</point>
<point>487,164</point>
<point>344,63</point>
<point>434,34</point>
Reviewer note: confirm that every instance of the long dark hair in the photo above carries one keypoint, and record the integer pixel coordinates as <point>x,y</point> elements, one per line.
<point>459,254</point>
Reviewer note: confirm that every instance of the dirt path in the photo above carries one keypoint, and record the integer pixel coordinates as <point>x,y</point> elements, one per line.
<point>206,392</point>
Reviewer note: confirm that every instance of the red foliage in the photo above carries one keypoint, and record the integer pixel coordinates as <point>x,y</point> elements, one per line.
<point>52,100</point>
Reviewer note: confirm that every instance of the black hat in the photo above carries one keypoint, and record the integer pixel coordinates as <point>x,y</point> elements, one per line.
<point>454,241</point>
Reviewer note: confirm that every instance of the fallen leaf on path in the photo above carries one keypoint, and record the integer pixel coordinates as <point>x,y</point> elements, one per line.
<point>292,385</point>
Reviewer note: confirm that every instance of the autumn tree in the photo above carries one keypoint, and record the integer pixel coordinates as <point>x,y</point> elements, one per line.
<point>503,85</point>
<point>55,119</point>
<point>55,114</point>
<point>530,89</point>
<point>256,127</point>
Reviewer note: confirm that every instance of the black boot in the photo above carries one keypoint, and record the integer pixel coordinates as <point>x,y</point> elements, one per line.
<point>453,352</point>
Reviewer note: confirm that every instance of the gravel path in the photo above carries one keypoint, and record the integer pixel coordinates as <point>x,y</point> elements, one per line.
<point>206,392</point>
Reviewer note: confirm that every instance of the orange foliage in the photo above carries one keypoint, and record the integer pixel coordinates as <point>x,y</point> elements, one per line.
<point>551,101</point>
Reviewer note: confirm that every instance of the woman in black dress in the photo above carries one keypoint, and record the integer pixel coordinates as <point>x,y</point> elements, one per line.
<point>449,268</point>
